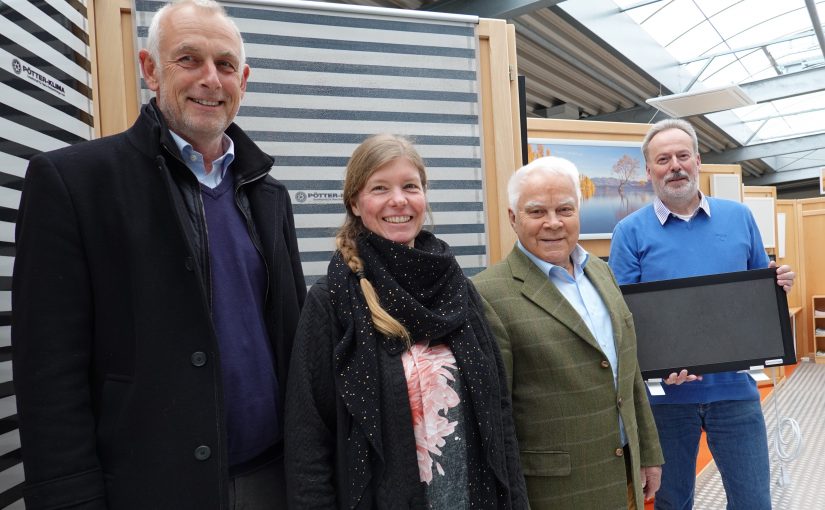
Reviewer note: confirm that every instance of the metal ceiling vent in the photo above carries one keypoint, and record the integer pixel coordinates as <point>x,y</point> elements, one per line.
<point>703,101</point>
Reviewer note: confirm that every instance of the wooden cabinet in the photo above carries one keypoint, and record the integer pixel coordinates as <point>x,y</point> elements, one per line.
<point>818,315</point>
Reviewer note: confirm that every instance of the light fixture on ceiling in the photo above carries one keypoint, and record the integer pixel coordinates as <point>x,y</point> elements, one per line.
<point>703,101</point>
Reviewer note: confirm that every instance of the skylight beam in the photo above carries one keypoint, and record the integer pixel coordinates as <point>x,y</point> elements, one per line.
<point>816,24</point>
<point>642,3</point>
<point>771,60</point>
<point>800,35</point>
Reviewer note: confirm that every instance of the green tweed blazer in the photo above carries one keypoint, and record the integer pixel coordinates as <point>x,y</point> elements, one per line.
<point>565,404</point>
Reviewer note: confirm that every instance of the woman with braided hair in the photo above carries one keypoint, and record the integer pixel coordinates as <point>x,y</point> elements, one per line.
<point>397,395</point>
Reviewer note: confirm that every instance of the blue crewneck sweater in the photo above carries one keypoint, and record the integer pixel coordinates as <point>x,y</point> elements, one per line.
<point>643,250</point>
<point>239,279</point>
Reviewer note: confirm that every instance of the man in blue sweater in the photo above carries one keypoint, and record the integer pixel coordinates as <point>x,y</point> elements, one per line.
<point>685,233</point>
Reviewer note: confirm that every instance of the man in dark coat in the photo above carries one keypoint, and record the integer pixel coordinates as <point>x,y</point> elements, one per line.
<point>156,289</point>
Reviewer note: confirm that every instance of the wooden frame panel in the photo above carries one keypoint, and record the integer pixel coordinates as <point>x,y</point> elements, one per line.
<point>501,139</point>
<point>116,98</point>
<point>765,192</point>
<point>810,217</point>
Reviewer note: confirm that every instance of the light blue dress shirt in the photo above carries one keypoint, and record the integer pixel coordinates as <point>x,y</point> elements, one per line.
<point>585,299</point>
<point>194,160</point>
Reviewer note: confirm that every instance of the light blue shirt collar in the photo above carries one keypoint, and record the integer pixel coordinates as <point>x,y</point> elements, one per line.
<point>194,160</point>
<point>579,257</point>
<point>662,212</point>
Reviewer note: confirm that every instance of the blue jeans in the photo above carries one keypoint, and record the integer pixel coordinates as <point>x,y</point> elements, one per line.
<point>737,440</point>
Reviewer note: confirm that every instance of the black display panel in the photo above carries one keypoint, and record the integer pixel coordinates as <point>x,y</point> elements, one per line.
<point>713,323</point>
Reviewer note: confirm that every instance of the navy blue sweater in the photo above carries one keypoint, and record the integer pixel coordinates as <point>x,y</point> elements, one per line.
<point>250,387</point>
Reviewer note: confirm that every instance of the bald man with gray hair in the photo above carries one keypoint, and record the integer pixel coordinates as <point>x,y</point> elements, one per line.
<point>157,288</point>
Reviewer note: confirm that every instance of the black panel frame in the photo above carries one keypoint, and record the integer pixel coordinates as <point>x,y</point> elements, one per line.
<point>687,321</point>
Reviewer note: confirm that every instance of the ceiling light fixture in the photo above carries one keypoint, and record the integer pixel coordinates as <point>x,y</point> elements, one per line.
<point>703,101</point>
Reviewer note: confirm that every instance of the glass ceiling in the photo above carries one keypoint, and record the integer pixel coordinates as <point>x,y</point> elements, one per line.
<point>737,41</point>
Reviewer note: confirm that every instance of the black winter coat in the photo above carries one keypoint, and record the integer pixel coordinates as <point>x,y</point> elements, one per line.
<point>116,363</point>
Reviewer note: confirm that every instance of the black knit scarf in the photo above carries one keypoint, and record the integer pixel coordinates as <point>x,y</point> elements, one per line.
<point>423,288</point>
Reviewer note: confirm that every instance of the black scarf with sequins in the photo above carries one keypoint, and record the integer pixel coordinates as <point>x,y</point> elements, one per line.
<point>424,288</point>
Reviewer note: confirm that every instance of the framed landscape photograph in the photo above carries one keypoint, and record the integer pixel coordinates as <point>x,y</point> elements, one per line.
<point>613,179</point>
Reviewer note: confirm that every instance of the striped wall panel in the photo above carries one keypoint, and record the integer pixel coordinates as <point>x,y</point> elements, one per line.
<point>45,103</point>
<point>324,77</point>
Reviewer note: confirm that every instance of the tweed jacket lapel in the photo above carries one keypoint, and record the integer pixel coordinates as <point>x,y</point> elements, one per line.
<point>538,288</point>
<point>601,278</point>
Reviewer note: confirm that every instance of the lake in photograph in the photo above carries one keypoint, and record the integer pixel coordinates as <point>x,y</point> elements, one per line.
<point>601,212</point>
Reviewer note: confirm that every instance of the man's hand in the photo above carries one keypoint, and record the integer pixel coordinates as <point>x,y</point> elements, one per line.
<point>784,276</point>
<point>681,377</point>
<point>651,477</point>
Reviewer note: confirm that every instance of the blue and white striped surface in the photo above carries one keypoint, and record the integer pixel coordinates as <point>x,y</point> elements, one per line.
<point>325,76</point>
<point>45,104</point>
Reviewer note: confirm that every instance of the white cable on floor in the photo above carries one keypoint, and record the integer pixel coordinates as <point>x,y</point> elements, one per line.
<point>786,445</point>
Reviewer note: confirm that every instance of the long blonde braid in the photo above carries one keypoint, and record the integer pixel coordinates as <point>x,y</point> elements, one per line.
<point>373,153</point>
<point>381,319</point>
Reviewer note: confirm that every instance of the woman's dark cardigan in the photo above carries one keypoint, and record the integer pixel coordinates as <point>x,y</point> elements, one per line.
<point>333,461</point>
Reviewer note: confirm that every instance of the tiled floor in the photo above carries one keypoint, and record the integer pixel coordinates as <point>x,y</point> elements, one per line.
<point>801,397</point>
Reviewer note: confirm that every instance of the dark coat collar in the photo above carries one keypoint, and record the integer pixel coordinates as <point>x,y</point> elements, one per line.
<point>150,135</point>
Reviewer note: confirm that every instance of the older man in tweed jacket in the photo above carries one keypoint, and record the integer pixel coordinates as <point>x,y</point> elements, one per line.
<point>587,438</point>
